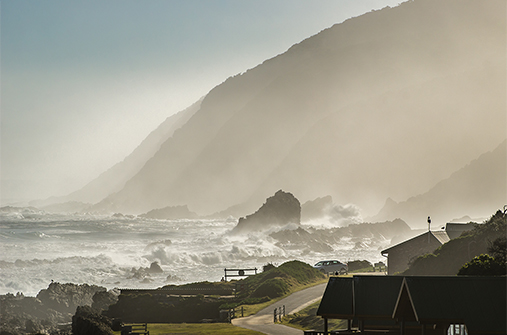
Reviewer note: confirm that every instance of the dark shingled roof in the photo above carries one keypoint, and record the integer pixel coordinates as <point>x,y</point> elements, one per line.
<point>381,290</point>
<point>337,301</point>
<point>477,302</point>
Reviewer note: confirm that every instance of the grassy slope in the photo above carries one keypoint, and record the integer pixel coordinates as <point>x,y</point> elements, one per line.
<point>277,283</point>
<point>295,276</point>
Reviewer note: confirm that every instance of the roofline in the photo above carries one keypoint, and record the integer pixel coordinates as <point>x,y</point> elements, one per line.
<point>386,251</point>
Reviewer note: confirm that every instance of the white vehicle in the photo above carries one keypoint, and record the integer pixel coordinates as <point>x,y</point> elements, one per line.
<point>332,266</point>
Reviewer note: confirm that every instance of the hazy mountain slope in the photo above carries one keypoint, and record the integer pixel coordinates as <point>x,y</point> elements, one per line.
<point>398,144</point>
<point>115,178</point>
<point>369,102</point>
<point>478,187</point>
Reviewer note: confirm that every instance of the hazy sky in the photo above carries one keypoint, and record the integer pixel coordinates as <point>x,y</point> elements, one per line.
<point>84,82</point>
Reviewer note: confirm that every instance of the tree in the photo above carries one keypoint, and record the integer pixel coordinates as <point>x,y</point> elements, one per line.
<point>498,249</point>
<point>483,265</point>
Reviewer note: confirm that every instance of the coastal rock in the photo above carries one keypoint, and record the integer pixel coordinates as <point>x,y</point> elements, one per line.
<point>280,209</point>
<point>65,298</point>
<point>170,213</point>
<point>51,308</point>
<point>155,268</point>
<point>102,300</point>
<point>87,321</point>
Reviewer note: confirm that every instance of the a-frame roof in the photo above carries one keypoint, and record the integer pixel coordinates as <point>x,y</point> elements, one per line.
<point>371,297</point>
<point>375,296</point>
<point>477,302</point>
<point>440,236</point>
<point>337,301</point>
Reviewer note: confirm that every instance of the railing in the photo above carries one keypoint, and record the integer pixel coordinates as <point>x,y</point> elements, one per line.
<point>280,313</point>
<point>232,313</point>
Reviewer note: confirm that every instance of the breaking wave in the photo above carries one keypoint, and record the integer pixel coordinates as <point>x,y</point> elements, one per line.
<point>117,252</point>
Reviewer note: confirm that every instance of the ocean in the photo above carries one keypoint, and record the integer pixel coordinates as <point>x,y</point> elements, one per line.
<point>37,248</point>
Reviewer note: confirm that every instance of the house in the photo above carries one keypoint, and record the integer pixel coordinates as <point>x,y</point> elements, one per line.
<point>427,305</point>
<point>401,255</point>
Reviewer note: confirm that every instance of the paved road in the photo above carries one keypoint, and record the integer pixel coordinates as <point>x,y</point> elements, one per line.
<point>263,320</point>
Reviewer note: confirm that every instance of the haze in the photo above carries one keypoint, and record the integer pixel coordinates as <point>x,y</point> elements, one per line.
<point>84,82</point>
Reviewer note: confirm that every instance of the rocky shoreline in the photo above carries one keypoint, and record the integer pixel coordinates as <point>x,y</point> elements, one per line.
<point>51,311</point>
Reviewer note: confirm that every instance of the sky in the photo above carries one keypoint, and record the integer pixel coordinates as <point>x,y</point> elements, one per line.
<point>84,82</point>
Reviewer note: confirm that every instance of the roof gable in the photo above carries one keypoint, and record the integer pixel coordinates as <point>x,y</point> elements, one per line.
<point>478,302</point>
<point>337,301</point>
<point>440,236</point>
<point>383,290</point>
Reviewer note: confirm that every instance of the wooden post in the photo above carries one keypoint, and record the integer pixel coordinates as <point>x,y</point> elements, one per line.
<point>325,326</point>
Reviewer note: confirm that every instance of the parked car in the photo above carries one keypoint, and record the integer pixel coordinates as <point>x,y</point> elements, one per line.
<point>333,266</point>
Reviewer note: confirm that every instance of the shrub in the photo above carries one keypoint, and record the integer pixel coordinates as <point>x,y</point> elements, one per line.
<point>268,267</point>
<point>88,322</point>
<point>273,288</point>
<point>483,265</point>
<point>358,265</point>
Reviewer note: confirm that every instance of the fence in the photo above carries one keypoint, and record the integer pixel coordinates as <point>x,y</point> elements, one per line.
<point>280,314</point>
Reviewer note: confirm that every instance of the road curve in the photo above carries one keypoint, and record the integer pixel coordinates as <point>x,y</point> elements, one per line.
<point>263,321</point>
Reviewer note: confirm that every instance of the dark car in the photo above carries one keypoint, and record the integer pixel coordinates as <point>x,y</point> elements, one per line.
<point>333,266</point>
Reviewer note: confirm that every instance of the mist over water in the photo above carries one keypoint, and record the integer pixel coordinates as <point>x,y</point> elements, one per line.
<point>37,248</point>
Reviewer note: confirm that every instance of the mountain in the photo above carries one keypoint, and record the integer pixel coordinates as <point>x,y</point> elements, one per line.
<point>467,191</point>
<point>386,104</point>
<point>115,178</point>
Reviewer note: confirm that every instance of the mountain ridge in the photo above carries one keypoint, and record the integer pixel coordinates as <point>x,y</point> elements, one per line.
<point>383,104</point>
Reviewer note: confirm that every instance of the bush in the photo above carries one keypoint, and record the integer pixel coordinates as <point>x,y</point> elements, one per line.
<point>87,322</point>
<point>483,265</point>
<point>498,249</point>
<point>268,267</point>
<point>358,265</point>
<point>272,288</point>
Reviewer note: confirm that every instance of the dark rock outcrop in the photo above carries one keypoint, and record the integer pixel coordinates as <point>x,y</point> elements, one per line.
<point>87,321</point>
<point>52,306</point>
<point>65,298</point>
<point>280,209</point>
<point>170,213</point>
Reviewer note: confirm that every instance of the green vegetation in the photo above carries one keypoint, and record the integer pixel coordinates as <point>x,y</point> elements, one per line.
<point>279,281</point>
<point>307,319</point>
<point>253,294</point>
<point>275,283</point>
<point>483,265</point>
<point>196,328</point>
<point>486,265</point>
<point>453,255</point>
<point>360,266</point>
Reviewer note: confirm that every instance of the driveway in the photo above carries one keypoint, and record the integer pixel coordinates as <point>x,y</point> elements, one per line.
<point>263,320</point>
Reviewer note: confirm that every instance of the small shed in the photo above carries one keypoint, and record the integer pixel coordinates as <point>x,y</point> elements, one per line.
<point>400,255</point>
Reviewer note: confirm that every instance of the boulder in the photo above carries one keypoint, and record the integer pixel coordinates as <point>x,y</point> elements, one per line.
<point>280,209</point>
